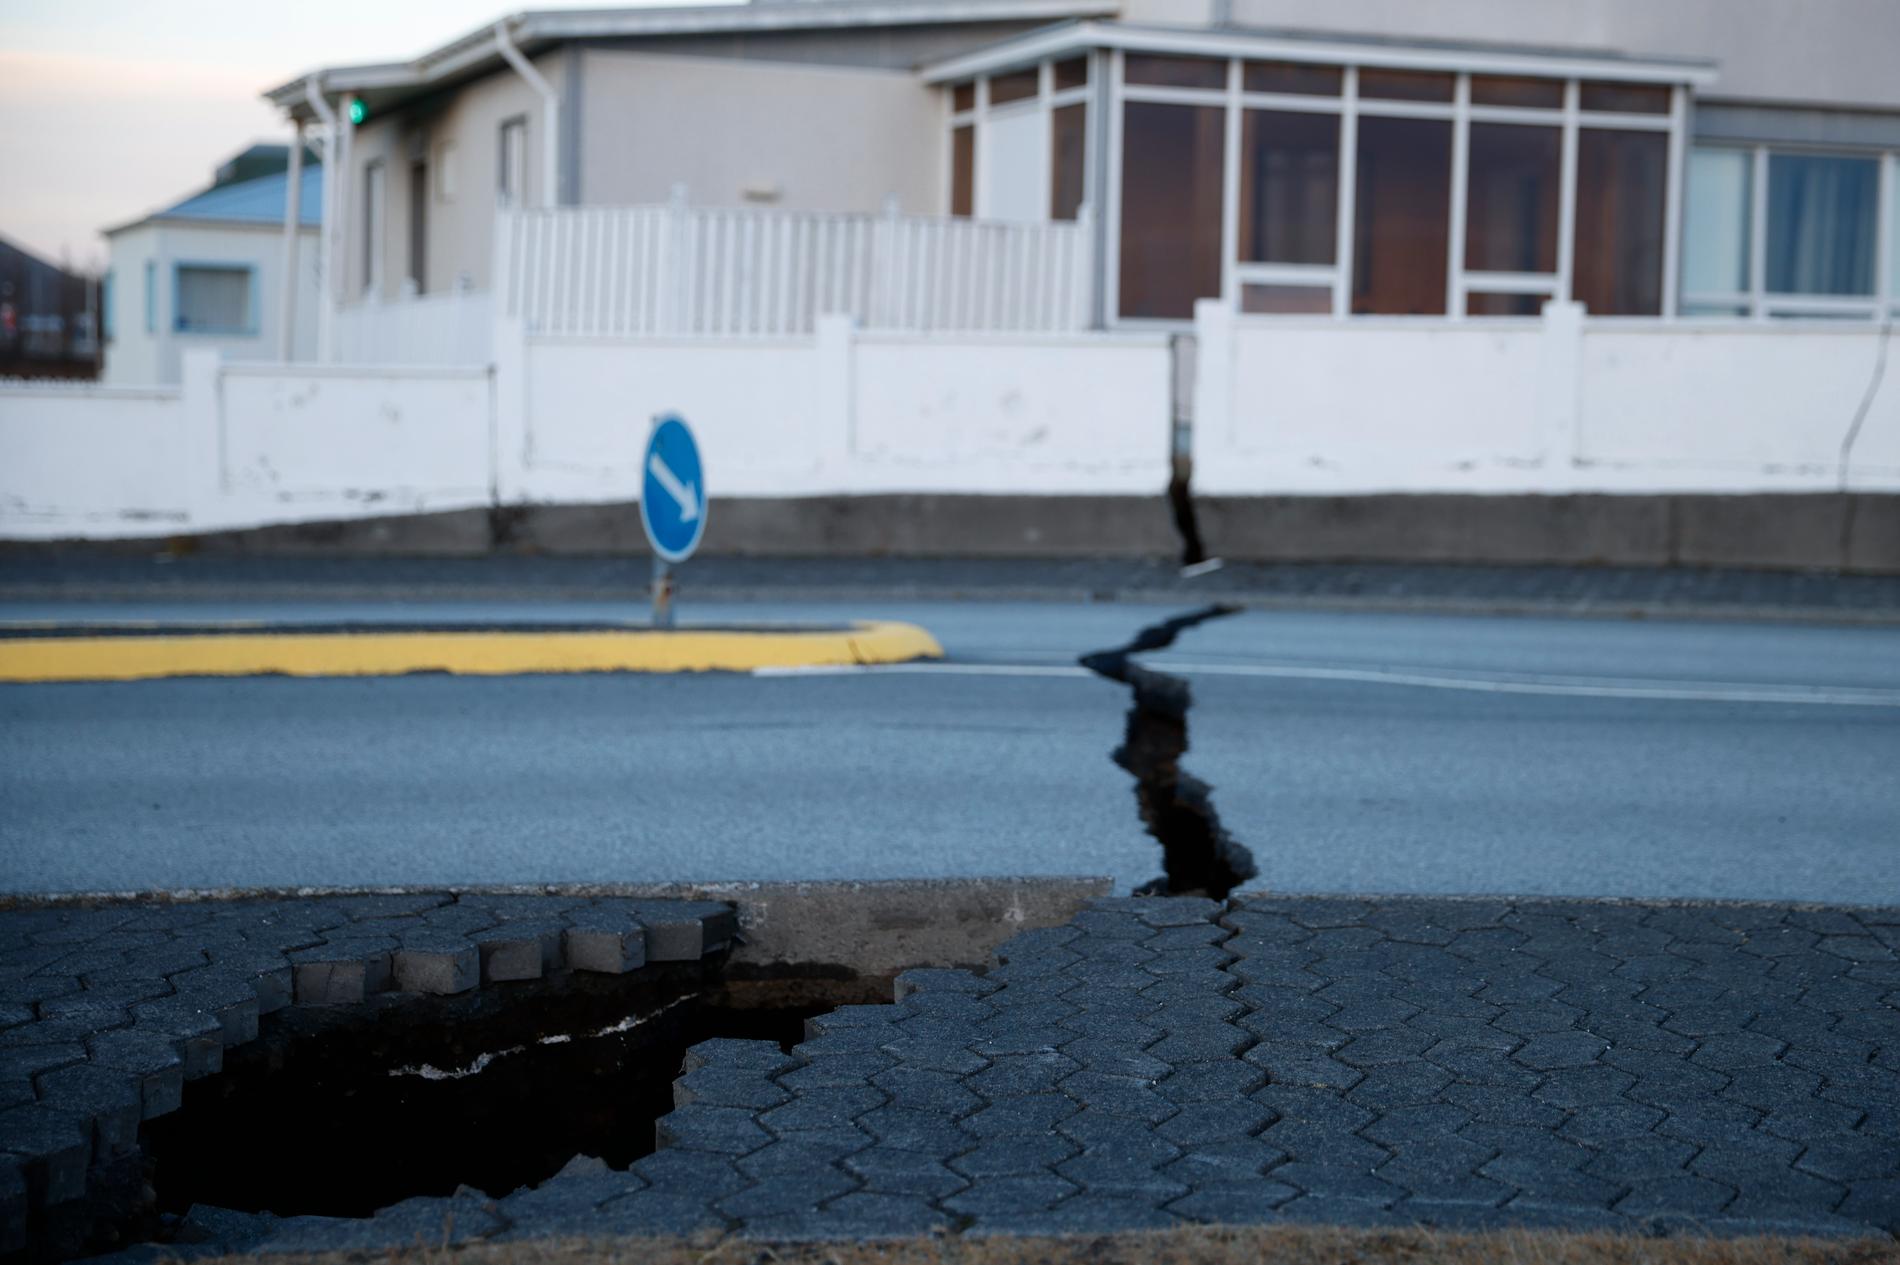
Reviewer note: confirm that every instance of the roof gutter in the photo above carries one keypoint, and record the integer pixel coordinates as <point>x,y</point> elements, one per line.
<point>550,112</point>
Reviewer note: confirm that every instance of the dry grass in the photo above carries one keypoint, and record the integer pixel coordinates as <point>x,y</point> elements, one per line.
<point>1276,1245</point>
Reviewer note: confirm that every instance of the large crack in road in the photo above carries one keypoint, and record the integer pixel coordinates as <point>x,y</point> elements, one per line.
<point>1198,856</point>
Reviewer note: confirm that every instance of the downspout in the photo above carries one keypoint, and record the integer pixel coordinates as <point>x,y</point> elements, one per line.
<point>332,174</point>
<point>550,118</point>
<point>293,230</point>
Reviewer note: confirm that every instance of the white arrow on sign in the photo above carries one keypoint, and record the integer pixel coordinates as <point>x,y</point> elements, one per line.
<point>684,493</point>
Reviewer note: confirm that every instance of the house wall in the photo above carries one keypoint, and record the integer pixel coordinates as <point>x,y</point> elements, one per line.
<point>826,138</point>
<point>462,127</point>
<point>137,357</point>
<point>1811,51</point>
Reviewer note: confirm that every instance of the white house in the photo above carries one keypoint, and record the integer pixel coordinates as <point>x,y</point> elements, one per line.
<point>1460,160</point>
<point>217,271</point>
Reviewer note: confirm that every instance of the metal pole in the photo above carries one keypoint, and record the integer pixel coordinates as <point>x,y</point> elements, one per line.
<point>662,593</point>
<point>293,235</point>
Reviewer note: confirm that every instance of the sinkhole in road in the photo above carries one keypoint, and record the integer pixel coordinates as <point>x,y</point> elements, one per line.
<point>1198,856</point>
<point>340,1111</point>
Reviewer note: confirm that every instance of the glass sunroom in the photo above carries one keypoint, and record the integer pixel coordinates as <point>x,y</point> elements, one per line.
<point>1299,175</point>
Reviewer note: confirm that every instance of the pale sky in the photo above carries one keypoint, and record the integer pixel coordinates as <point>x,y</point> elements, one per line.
<point>112,108</point>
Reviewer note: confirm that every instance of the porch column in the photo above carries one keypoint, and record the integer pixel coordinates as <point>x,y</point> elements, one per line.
<point>293,231</point>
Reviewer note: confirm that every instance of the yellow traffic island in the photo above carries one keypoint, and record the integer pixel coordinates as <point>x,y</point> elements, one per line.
<point>139,653</point>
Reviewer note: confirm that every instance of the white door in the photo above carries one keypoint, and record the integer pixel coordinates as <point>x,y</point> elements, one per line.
<point>1014,184</point>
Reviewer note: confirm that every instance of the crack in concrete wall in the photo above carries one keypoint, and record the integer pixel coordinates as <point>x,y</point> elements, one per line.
<point>1198,856</point>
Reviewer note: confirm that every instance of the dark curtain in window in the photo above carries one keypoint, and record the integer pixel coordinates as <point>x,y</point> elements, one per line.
<point>1402,217</point>
<point>1171,208</point>
<point>1621,184</point>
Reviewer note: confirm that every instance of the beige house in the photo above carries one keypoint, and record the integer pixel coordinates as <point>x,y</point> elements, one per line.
<point>1719,159</point>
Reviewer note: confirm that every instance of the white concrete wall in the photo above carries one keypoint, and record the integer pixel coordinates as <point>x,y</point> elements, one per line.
<point>1782,51</point>
<point>138,357</point>
<point>93,461</point>
<point>1553,406</point>
<point>828,138</point>
<point>840,413</point>
<point>241,445</point>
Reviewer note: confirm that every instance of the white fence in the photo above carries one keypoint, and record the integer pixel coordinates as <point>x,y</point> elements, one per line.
<point>453,328</point>
<point>647,271</point>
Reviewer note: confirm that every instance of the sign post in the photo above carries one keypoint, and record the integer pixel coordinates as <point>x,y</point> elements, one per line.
<point>672,505</point>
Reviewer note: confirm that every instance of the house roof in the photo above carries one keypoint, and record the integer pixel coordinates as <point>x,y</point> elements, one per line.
<point>535,30</point>
<point>1318,46</point>
<point>258,201</point>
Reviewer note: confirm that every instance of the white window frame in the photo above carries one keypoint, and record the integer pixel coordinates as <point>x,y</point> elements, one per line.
<point>1758,303</point>
<point>1350,106</point>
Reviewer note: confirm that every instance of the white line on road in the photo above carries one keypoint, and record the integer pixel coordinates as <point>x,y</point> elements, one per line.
<point>1564,687</point>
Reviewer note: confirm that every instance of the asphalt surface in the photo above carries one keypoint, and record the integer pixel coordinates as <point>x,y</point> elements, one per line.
<point>1354,752</point>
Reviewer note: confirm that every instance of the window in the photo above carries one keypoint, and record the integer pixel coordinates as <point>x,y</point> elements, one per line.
<point>373,227</point>
<point>1073,73</point>
<point>1289,187</point>
<point>1402,220</point>
<point>107,294</point>
<point>963,171</point>
<point>963,98</point>
<point>419,226</point>
<point>1774,233</point>
<point>151,296</point>
<point>1511,198</point>
<point>1715,232</point>
<point>1404,85</point>
<point>1019,85</point>
<point>1624,98</point>
<point>1174,72</point>
<point>1520,92</point>
<point>213,299</point>
<point>1821,224</point>
<point>1171,208</point>
<point>1292,78</point>
<point>1621,179</point>
<point>511,169</point>
<point>1014,184</point>
<point>1068,160</point>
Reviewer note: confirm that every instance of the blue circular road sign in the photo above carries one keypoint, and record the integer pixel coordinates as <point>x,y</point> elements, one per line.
<point>673,490</point>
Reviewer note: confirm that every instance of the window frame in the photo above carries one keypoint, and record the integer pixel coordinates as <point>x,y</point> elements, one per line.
<point>1571,121</point>
<point>1759,304</point>
<point>253,325</point>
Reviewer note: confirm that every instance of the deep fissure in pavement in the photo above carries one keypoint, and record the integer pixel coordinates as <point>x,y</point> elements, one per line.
<point>342,1111</point>
<point>1198,856</point>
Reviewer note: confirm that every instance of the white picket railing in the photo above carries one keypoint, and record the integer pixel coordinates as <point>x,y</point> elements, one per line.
<point>455,327</point>
<point>648,271</point>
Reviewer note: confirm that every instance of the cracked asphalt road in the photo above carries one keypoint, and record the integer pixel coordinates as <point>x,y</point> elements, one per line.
<point>1363,752</point>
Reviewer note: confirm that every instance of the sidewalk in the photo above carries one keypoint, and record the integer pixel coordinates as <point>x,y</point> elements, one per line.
<point>1602,591</point>
<point>1475,1064</point>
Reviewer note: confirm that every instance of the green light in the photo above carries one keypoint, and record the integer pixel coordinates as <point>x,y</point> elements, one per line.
<point>358,112</point>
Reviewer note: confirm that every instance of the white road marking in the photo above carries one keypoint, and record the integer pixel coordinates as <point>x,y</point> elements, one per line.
<point>1561,687</point>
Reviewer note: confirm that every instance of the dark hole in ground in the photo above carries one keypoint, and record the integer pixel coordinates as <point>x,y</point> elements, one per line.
<point>310,1120</point>
<point>1198,856</point>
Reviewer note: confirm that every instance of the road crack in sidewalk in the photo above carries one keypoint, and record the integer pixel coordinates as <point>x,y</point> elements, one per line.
<point>1199,857</point>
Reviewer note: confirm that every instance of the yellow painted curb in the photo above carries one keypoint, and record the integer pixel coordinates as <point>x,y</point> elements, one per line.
<point>484,652</point>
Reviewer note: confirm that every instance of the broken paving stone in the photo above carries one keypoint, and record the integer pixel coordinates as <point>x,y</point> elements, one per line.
<point>520,950</point>
<point>604,943</point>
<point>437,962</point>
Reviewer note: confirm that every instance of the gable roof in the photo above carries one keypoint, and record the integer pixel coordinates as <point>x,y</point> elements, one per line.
<point>259,201</point>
